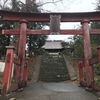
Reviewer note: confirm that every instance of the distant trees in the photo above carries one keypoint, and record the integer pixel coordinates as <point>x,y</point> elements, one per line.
<point>74,47</point>
<point>64,44</point>
<point>95,39</point>
<point>5,40</point>
<point>77,44</point>
<point>77,41</point>
<point>33,41</point>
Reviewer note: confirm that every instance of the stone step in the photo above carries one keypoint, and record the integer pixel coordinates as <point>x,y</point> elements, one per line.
<point>53,69</point>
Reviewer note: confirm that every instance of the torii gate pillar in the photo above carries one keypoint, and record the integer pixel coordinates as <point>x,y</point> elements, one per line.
<point>21,52</point>
<point>87,54</point>
<point>8,70</point>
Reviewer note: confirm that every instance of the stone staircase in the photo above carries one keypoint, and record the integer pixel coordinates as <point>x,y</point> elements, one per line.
<point>53,69</point>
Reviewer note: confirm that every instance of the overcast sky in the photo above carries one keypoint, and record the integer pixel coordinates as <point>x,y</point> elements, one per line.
<point>79,6</point>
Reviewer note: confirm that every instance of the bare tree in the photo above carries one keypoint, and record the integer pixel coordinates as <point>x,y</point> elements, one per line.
<point>3,3</point>
<point>56,4</point>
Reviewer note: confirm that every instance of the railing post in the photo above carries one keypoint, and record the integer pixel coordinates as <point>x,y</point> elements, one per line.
<point>87,54</point>
<point>8,70</point>
<point>17,72</point>
<point>25,74</point>
<point>99,54</point>
<point>81,76</point>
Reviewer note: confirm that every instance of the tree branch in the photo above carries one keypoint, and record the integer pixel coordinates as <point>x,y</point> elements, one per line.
<point>5,1</point>
<point>0,6</point>
<point>21,2</point>
<point>49,3</point>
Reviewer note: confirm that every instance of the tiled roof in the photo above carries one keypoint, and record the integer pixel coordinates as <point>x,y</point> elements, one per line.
<point>52,45</point>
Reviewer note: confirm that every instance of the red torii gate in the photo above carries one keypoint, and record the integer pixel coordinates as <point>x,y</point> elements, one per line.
<point>24,18</point>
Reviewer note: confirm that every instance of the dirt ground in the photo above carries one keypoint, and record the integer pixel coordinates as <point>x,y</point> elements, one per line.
<point>31,68</point>
<point>1,76</point>
<point>74,64</point>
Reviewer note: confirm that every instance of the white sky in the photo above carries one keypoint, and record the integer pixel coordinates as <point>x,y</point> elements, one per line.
<point>79,6</point>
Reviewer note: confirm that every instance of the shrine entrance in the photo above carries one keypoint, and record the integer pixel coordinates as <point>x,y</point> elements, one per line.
<point>21,61</point>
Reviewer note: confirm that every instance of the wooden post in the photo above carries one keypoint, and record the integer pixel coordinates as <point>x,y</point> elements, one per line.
<point>17,72</point>
<point>21,49</point>
<point>87,54</point>
<point>25,74</point>
<point>81,76</point>
<point>99,54</point>
<point>8,70</point>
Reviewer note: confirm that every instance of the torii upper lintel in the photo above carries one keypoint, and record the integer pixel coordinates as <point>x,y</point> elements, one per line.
<point>45,17</point>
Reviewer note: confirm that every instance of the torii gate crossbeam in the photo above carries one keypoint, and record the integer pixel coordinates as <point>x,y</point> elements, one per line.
<point>47,32</point>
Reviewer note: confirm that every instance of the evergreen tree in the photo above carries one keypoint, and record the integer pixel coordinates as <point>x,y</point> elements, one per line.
<point>5,40</point>
<point>78,46</point>
<point>95,39</point>
<point>74,47</point>
<point>34,42</point>
<point>28,6</point>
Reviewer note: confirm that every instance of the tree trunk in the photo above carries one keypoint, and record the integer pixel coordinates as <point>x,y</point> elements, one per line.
<point>15,39</point>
